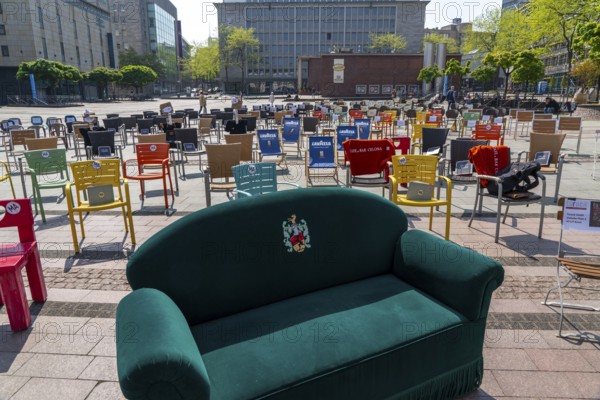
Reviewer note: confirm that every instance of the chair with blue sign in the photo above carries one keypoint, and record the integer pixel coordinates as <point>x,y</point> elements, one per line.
<point>364,128</point>
<point>321,155</point>
<point>343,133</point>
<point>256,178</point>
<point>291,133</point>
<point>269,145</point>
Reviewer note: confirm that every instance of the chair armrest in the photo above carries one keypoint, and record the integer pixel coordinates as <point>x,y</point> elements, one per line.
<point>156,350</point>
<point>290,184</point>
<point>242,192</point>
<point>524,152</point>
<point>457,276</point>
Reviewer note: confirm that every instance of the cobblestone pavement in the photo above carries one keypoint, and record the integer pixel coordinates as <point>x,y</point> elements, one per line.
<point>69,351</point>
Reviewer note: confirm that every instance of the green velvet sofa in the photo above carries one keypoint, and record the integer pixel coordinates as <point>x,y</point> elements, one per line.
<point>304,294</point>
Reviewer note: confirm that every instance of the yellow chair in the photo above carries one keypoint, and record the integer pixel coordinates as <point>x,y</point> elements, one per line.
<point>416,138</point>
<point>97,173</point>
<point>6,177</point>
<point>409,168</point>
<point>421,117</point>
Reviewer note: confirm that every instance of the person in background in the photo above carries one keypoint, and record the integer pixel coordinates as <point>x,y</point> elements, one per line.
<point>272,98</point>
<point>551,106</point>
<point>203,102</point>
<point>451,96</point>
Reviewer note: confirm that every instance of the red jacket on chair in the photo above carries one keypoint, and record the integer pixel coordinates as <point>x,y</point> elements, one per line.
<point>368,156</point>
<point>489,160</point>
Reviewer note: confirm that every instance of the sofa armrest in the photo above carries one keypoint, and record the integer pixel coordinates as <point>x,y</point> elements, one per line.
<point>157,357</point>
<point>459,277</point>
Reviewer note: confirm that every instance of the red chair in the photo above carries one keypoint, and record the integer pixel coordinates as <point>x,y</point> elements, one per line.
<point>401,144</point>
<point>152,163</point>
<point>355,114</point>
<point>489,132</point>
<point>15,256</point>
<point>367,162</point>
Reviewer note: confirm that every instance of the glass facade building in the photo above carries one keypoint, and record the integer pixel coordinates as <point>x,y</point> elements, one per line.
<point>291,29</point>
<point>161,26</point>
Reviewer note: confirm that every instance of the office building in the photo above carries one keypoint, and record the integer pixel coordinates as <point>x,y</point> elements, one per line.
<point>150,26</point>
<point>291,31</point>
<point>75,32</point>
<point>513,3</point>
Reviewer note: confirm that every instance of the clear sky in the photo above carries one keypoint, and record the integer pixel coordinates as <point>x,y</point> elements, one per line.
<point>199,18</point>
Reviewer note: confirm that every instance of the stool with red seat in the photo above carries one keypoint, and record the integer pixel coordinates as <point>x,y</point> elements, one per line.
<point>15,257</point>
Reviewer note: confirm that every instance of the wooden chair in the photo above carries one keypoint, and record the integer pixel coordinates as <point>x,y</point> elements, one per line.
<point>95,173</point>
<point>543,125</point>
<point>15,257</point>
<point>153,138</point>
<point>539,116</point>
<point>41,144</point>
<point>524,120</point>
<point>247,142</point>
<point>571,124</point>
<point>218,175</point>
<point>409,168</point>
<point>18,138</point>
<point>489,133</point>
<point>581,217</point>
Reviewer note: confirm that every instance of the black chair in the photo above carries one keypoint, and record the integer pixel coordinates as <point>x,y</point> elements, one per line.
<point>159,120</point>
<point>459,151</point>
<point>117,125</point>
<point>236,127</point>
<point>99,139</point>
<point>150,114</point>
<point>69,121</point>
<point>228,109</point>
<point>183,138</point>
<point>137,116</point>
<point>193,116</point>
<point>112,115</point>
<point>434,138</point>
<point>251,123</point>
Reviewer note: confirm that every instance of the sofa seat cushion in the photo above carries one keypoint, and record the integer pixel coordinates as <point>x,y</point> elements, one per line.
<point>298,341</point>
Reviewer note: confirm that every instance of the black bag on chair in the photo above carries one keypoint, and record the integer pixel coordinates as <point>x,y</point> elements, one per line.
<point>516,177</point>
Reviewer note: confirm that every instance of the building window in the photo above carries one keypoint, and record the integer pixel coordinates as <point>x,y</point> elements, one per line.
<point>75,28</point>
<point>41,17</point>
<point>78,56</point>
<point>62,51</point>
<point>5,51</point>
<point>2,30</point>
<point>45,48</point>
<point>59,23</point>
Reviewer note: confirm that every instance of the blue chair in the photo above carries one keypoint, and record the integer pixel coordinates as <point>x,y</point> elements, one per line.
<point>321,155</point>
<point>256,178</point>
<point>269,145</point>
<point>364,128</point>
<point>291,132</point>
<point>343,133</point>
<point>37,123</point>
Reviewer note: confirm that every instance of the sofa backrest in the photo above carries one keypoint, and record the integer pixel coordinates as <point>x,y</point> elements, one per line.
<point>258,250</point>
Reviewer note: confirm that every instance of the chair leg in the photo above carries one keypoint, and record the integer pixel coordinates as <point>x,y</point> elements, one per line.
<point>475,206</point>
<point>430,218</point>
<point>38,200</point>
<point>505,214</point>
<point>13,294</point>
<point>448,211</point>
<point>171,185</point>
<point>498,215</point>
<point>129,215</point>
<point>125,218</point>
<point>35,276</point>
<point>81,225</point>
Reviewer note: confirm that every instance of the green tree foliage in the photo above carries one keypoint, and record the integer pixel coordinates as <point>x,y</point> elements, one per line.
<point>528,68</point>
<point>588,39</point>
<point>50,72</point>
<point>138,76</point>
<point>484,74</point>
<point>148,59</point>
<point>102,76</point>
<point>514,32</point>
<point>586,72</point>
<point>505,60</point>
<point>387,42</point>
<point>455,68</point>
<point>429,74</point>
<point>225,56</point>
<point>205,62</point>
<point>451,44</point>
<point>483,33</point>
<point>242,46</point>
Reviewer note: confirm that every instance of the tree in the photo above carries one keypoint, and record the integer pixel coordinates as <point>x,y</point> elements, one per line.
<point>484,74</point>
<point>514,32</point>
<point>225,56</point>
<point>204,62</point>
<point>505,60</point>
<point>455,68</point>
<point>50,72</point>
<point>148,59</point>
<point>528,68</point>
<point>587,73</point>
<point>387,42</point>
<point>429,74</point>
<point>483,33</point>
<point>556,22</point>
<point>588,38</point>
<point>102,76</point>
<point>451,44</point>
<point>138,76</point>
<point>243,47</point>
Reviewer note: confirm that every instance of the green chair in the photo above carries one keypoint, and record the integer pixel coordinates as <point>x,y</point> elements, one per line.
<point>256,178</point>
<point>48,169</point>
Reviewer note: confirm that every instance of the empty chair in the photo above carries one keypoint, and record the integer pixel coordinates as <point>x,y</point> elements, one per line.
<point>112,115</point>
<point>186,140</point>
<point>571,124</point>
<point>544,125</point>
<point>321,159</point>
<point>17,143</point>
<point>117,125</point>
<point>251,123</point>
<point>269,145</point>
<point>41,143</point>
<point>38,122</point>
<point>434,141</point>
<point>524,120</point>
<point>193,117</point>
<point>247,142</point>
<point>256,178</point>
<point>102,145</point>
<point>220,158</point>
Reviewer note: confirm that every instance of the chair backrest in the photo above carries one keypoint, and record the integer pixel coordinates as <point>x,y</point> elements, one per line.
<point>247,142</point>
<point>112,123</point>
<point>18,137</point>
<point>280,115</point>
<point>321,152</point>
<point>368,156</point>
<point>487,132</point>
<point>18,213</point>
<point>310,124</point>
<point>154,138</point>
<point>112,115</point>
<point>489,160</point>
<point>69,119</point>
<point>417,133</point>
<point>152,153</point>
<point>410,167</point>
<point>77,129</point>
<point>525,116</point>
<point>42,143</point>
<point>544,126</point>
<point>471,116</point>
<point>129,122</point>
<point>514,111</point>
<point>421,116</point>
<point>255,178</point>
<point>221,158</point>
<point>551,142</point>
<point>37,120</point>
<point>158,120</point>
<point>96,173</point>
<point>364,127</point>
<point>569,123</point>
<point>434,137</point>
<point>251,123</point>
<point>459,150</point>
<point>355,113</point>
<point>291,130</point>
<point>345,132</point>
<point>187,135</point>
<point>452,114</point>
<point>48,161</point>
<point>542,116</point>
<point>206,123</point>
<point>102,138</point>
<point>268,141</point>
<point>401,144</point>
<point>145,125</point>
